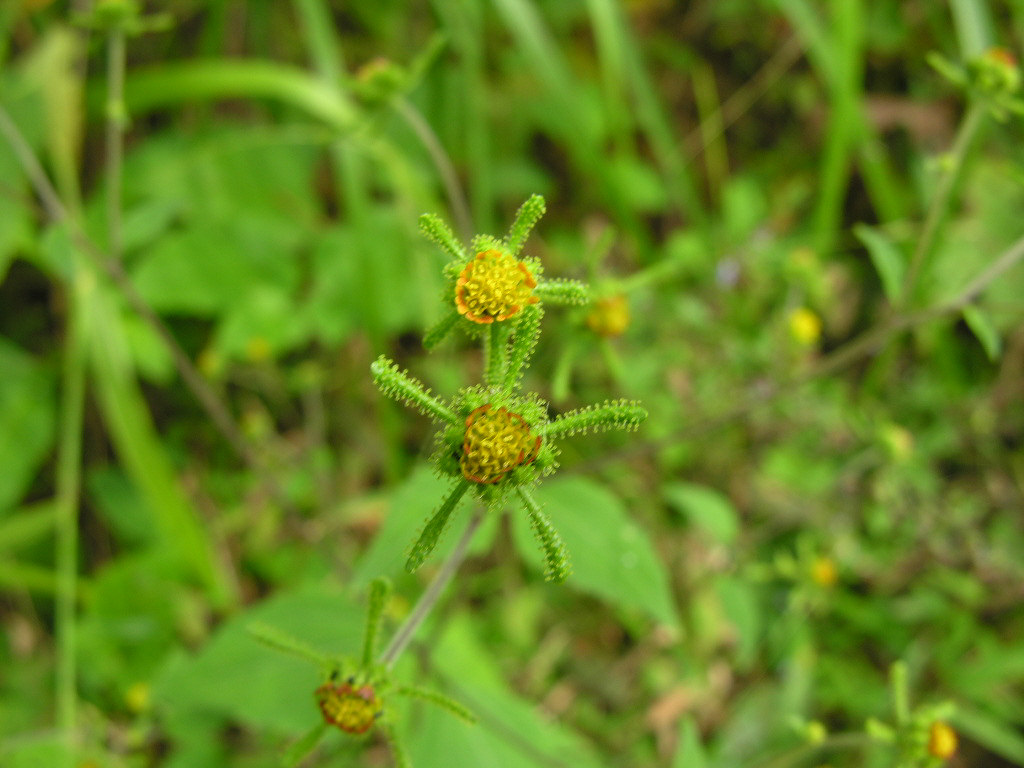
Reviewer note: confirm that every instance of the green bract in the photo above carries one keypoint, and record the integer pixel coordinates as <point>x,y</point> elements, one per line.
<point>494,440</point>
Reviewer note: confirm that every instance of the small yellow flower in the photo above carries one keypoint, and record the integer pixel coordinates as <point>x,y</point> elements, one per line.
<point>824,572</point>
<point>496,442</point>
<point>137,697</point>
<point>898,441</point>
<point>941,740</point>
<point>609,316</point>
<point>493,286</point>
<point>350,708</point>
<point>805,326</point>
<point>257,349</point>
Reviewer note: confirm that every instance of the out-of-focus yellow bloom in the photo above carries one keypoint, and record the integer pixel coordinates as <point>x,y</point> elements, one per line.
<point>257,349</point>
<point>824,572</point>
<point>805,326</point>
<point>211,363</point>
<point>609,316</point>
<point>941,740</point>
<point>137,697</point>
<point>898,441</point>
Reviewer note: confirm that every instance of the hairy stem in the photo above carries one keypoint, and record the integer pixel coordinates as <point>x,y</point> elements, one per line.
<point>433,591</point>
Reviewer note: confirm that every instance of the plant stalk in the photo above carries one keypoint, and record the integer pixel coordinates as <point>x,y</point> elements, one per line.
<point>69,450</point>
<point>433,591</point>
<point>116,119</point>
<point>940,202</point>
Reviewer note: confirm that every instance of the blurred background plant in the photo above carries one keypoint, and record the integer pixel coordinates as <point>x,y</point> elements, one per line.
<point>808,232</point>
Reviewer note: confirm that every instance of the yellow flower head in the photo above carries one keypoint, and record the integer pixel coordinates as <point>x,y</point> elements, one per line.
<point>609,316</point>
<point>352,709</point>
<point>805,326</point>
<point>493,286</point>
<point>941,740</point>
<point>496,442</point>
<point>824,572</point>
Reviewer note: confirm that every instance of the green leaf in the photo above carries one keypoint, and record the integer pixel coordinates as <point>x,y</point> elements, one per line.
<point>739,602</point>
<point>889,262</point>
<point>26,421</point>
<point>121,506</point>
<point>980,323</point>
<point>690,752</point>
<point>234,676</point>
<point>1000,737</point>
<point>32,751</point>
<point>612,556</point>
<point>204,270</point>
<point>27,525</point>
<point>263,322</point>
<point>705,508</point>
<point>300,749</point>
<point>510,732</point>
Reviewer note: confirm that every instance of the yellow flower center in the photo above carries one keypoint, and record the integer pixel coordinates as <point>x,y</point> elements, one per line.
<point>351,709</point>
<point>493,286</point>
<point>496,442</point>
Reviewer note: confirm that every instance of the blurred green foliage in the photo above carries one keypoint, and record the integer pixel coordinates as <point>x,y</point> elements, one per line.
<point>815,237</point>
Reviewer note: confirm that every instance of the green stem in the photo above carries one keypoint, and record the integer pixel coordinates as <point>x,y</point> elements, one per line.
<point>69,451</point>
<point>438,155</point>
<point>379,590</point>
<point>116,117</point>
<point>842,134</point>
<point>495,354</point>
<point>800,755</point>
<point>432,593</point>
<point>166,84</point>
<point>900,693</point>
<point>940,201</point>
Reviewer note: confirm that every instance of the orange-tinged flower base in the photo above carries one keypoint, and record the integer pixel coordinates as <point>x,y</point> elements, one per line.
<point>352,709</point>
<point>496,442</point>
<point>493,286</point>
